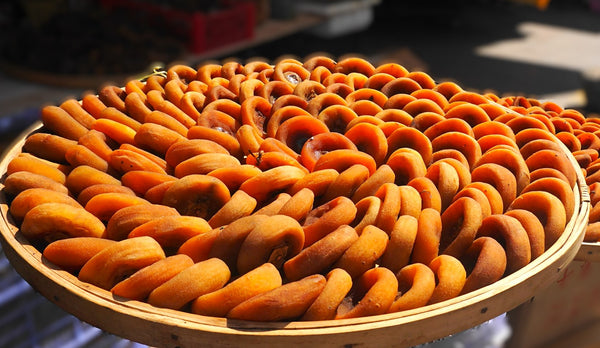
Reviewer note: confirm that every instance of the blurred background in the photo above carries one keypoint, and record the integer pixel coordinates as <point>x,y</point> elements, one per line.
<point>51,50</point>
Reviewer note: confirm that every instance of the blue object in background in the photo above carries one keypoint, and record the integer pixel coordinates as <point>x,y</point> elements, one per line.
<point>16,123</point>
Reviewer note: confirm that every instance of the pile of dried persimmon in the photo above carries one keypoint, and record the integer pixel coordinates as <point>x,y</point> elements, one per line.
<point>300,190</point>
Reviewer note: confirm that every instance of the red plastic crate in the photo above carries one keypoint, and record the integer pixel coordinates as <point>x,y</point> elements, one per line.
<point>232,22</point>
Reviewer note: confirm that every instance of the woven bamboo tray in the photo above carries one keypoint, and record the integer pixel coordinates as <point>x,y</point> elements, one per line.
<point>149,325</point>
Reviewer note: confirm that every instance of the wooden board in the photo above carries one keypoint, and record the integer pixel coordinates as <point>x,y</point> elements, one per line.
<point>146,324</point>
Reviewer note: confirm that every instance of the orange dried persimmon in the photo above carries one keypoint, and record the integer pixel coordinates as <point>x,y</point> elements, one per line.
<point>171,231</point>
<point>458,141</point>
<point>450,276</point>
<point>471,113</point>
<point>324,307</point>
<point>337,117</point>
<point>228,241</point>
<point>428,192</point>
<point>416,284</point>
<point>141,283</point>
<point>343,159</point>
<point>299,204</point>
<point>383,175</point>
<point>491,141</point>
<point>239,205</point>
<point>485,262</point>
<point>118,117</point>
<point>425,120</point>
<point>400,85</point>
<point>273,89</point>
<point>509,232</point>
<point>233,177</point>
<point>446,179</point>
<point>198,247</point>
<point>398,101</point>
<point>20,181</point>
<point>366,213</point>
<point>460,224</point>
<point>83,176</point>
<point>295,131</point>
<point>274,240</point>
<point>400,245</point>
<point>407,164</point>
<point>113,96</point>
<point>192,282</point>
<point>197,195</point>
<point>323,143</point>
<point>120,260</point>
<point>105,205</point>
<point>317,181</point>
<point>419,106</point>
<point>412,138</point>
<point>448,125</point>
<point>124,160</point>
<point>512,161</point>
<point>32,197</point>
<point>448,89</point>
<point>48,222</point>
<point>218,303</point>
<point>289,301</point>
<point>378,80</point>
<point>33,164</point>
<point>326,218</point>
<point>553,159</point>
<point>72,253</point>
<point>557,187</point>
<point>391,203</point>
<point>228,106</point>
<point>291,72</point>
<point>187,148</point>
<point>308,89</point>
<point>74,108</point>
<point>322,101</point>
<point>321,255</point>
<point>226,140</point>
<point>140,181</point>
<point>124,220</point>
<point>59,122</point>
<point>502,179</point>
<point>80,155</point>
<point>370,139</point>
<point>373,294</point>
<point>395,115</point>
<point>48,146</point>
<point>547,208</point>
<point>279,116</point>
<point>204,163</point>
<point>268,183</point>
<point>534,229</point>
<point>426,246</point>
<point>256,112</point>
<point>156,138</point>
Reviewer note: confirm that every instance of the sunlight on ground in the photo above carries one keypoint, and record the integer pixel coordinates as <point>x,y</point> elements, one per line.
<point>548,45</point>
<point>552,46</point>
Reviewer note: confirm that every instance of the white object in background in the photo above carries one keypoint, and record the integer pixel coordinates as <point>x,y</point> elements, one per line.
<point>342,17</point>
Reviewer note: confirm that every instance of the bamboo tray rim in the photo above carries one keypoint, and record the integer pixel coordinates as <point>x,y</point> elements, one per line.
<point>146,324</point>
